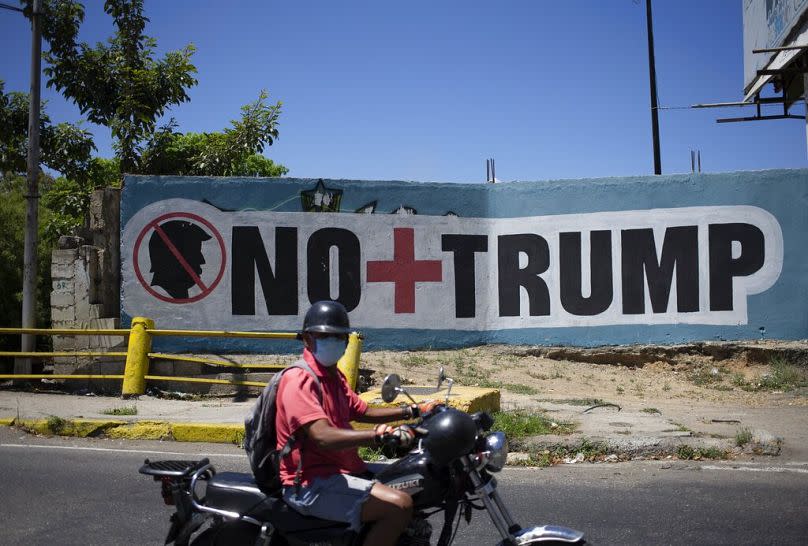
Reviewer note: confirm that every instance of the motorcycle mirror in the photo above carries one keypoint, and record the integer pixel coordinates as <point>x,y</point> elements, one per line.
<point>441,377</point>
<point>391,387</point>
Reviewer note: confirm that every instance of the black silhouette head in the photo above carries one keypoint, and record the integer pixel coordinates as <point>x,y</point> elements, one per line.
<point>169,273</point>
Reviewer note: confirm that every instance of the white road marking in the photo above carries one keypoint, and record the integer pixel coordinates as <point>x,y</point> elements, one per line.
<point>775,469</point>
<point>76,448</point>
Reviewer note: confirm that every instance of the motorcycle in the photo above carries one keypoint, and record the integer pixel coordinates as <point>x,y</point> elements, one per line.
<point>449,470</point>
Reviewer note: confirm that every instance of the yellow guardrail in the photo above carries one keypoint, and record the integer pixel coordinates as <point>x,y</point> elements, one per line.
<point>223,333</point>
<point>138,355</point>
<point>211,362</point>
<point>66,331</point>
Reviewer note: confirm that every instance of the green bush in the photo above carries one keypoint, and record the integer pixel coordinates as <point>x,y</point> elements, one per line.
<point>12,220</point>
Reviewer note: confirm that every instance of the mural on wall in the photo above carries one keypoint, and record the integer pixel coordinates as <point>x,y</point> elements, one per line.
<point>471,277</point>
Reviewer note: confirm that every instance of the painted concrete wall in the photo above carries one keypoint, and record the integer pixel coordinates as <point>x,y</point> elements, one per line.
<point>581,262</point>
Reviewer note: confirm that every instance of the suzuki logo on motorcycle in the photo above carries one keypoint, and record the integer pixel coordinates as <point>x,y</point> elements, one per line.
<point>406,484</point>
<point>693,265</point>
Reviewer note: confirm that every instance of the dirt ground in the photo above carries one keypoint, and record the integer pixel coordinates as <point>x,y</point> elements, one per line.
<point>714,375</point>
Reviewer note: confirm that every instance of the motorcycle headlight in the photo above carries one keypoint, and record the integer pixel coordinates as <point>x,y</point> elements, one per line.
<point>496,444</point>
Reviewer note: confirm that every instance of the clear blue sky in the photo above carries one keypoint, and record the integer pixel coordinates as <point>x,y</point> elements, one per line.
<point>426,90</point>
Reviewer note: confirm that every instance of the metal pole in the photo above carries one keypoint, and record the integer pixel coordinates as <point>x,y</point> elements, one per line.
<point>805,97</point>
<point>652,72</point>
<point>32,197</point>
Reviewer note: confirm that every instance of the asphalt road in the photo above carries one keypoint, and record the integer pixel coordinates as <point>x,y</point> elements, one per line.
<point>72,491</point>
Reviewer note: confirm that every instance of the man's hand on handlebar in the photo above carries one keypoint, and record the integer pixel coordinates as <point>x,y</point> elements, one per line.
<point>419,410</point>
<point>402,436</point>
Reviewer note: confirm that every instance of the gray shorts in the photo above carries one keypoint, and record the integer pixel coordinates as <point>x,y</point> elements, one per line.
<point>336,498</point>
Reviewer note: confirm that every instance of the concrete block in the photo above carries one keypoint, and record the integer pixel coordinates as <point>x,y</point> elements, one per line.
<point>82,343</point>
<point>96,343</point>
<point>61,299</point>
<point>86,311</point>
<point>63,314</point>
<point>62,323</point>
<point>96,210</point>
<point>64,343</point>
<point>187,369</point>
<point>94,311</point>
<point>64,365</point>
<point>66,242</point>
<point>62,271</point>
<point>64,257</point>
<point>110,323</point>
<point>161,367</point>
<point>62,285</point>
<point>468,399</point>
<point>81,282</point>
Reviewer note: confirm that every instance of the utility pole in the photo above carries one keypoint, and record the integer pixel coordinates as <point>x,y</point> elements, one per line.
<point>805,98</point>
<point>32,197</point>
<point>652,72</point>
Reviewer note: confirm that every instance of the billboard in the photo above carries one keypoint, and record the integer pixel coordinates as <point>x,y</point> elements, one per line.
<point>769,24</point>
<point>590,262</point>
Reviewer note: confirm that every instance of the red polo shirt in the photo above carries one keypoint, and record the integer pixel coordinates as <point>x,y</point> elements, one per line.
<point>298,404</point>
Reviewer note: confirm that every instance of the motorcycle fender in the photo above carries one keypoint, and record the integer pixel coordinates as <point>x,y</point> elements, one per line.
<point>547,533</point>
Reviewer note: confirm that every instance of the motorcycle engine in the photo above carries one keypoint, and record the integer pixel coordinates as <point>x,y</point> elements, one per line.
<point>417,533</point>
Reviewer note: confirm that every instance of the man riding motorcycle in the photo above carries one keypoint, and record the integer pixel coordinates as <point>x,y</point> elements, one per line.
<point>450,470</point>
<point>322,475</point>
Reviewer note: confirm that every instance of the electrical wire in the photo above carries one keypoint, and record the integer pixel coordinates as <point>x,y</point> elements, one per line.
<point>674,108</point>
<point>10,7</point>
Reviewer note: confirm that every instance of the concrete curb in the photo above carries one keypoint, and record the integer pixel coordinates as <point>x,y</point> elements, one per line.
<point>221,433</point>
<point>232,433</point>
<point>468,399</point>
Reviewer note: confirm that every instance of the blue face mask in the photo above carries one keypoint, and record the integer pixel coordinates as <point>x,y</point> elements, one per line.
<point>328,350</point>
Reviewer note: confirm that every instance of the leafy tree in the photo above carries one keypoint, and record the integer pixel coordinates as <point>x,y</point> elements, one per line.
<point>65,147</point>
<point>12,218</point>
<point>121,85</point>
<point>118,84</point>
<point>69,198</point>
<point>236,151</point>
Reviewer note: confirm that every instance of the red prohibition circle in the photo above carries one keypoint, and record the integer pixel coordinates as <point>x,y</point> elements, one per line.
<point>151,225</point>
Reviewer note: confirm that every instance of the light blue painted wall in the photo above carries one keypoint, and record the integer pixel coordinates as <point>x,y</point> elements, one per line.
<point>779,312</point>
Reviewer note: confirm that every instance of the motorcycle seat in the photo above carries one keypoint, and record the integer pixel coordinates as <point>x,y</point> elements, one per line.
<point>235,492</point>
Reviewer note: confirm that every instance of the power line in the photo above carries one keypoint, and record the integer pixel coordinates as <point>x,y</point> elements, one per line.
<point>11,8</point>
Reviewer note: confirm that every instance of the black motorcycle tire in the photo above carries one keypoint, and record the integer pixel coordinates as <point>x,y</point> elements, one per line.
<point>559,543</point>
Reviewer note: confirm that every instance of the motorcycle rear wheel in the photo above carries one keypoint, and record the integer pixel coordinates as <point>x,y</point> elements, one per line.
<point>554,543</point>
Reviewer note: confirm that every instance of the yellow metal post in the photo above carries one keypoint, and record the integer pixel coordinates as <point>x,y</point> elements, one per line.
<point>137,357</point>
<point>349,363</point>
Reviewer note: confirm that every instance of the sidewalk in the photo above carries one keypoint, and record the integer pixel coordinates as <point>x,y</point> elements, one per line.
<point>634,432</point>
<point>631,432</point>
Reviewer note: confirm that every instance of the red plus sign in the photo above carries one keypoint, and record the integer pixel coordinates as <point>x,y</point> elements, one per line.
<point>405,270</point>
